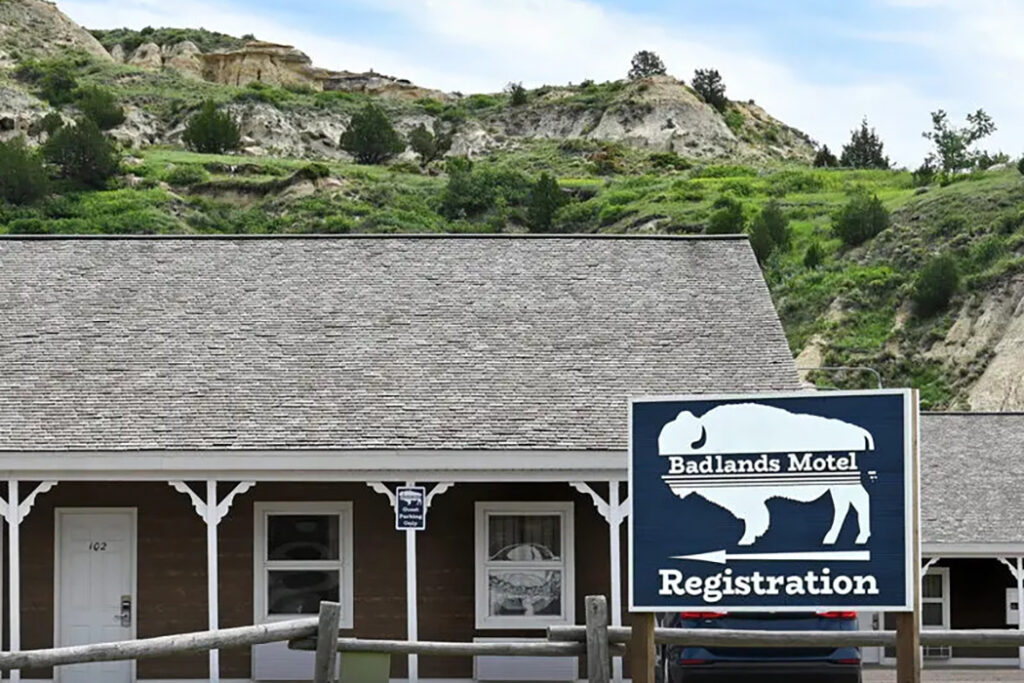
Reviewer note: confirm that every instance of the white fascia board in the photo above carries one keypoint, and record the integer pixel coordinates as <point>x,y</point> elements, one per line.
<point>954,550</point>
<point>300,465</point>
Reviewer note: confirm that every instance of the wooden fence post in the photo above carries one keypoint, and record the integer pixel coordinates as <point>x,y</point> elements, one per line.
<point>598,657</point>
<point>641,644</point>
<point>324,670</point>
<point>908,624</point>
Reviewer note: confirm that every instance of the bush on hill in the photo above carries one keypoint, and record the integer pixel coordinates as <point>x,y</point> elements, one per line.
<point>728,219</point>
<point>207,41</point>
<point>99,105</point>
<point>84,154</point>
<point>645,64</point>
<point>210,131</point>
<point>23,178</point>
<point>709,85</point>
<point>865,149</point>
<point>862,218</point>
<point>936,284</point>
<point>546,198</point>
<point>370,137</point>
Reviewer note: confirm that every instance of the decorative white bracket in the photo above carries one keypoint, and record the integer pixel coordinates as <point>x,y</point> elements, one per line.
<point>928,564</point>
<point>611,516</point>
<point>385,490</point>
<point>1016,571</point>
<point>220,509</point>
<point>15,517</point>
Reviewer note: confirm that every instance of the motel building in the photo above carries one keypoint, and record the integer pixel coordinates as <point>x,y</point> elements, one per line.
<point>204,432</point>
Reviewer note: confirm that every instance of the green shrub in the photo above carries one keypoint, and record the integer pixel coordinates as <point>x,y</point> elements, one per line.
<point>791,181</point>
<point>608,160</point>
<point>1009,223</point>
<point>860,219</point>
<point>1020,165</point>
<point>669,161</point>
<point>54,79</point>
<point>769,231</point>
<point>23,179</point>
<point>49,124</point>
<point>824,158</point>
<point>517,94</point>
<point>813,256</point>
<point>925,173</point>
<point>724,171</point>
<point>473,190</point>
<point>734,119</point>
<point>936,284</point>
<point>210,131</point>
<point>431,106</point>
<point>728,219</point>
<point>546,198</point>
<point>370,137</point>
<point>99,105</point>
<point>83,153</point>
<point>184,176</point>
<point>206,41</point>
<point>429,145</point>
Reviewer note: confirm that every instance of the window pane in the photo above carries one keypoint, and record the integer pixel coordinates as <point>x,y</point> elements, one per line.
<point>300,592</point>
<point>524,538</point>
<point>931,586</point>
<point>525,592</point>
<point>302,537</point>
<point>931,614</point>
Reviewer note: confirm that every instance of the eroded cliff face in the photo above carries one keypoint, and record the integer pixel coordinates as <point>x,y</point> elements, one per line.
<point>37,28</point>
<point>261,62</point>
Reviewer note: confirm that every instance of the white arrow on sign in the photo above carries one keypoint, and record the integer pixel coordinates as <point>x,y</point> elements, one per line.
<point>721,557</point>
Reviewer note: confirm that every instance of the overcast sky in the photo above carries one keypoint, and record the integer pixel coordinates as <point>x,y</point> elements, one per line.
<point>819,65</point>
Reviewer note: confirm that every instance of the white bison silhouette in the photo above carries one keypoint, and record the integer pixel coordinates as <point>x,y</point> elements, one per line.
<point>751,428</point>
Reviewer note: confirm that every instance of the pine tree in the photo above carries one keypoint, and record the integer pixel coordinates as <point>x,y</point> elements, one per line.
<point>370,137</point>
<point>645,64</point>
<point>83,153</point>
<point>546,197</point>
<point>23,178</point>
<point>708,84</point>
<point>100,106</point>
<point>865,149</point>
<point>825,158</point>
<point>429,146</point>
<point>211,131</point>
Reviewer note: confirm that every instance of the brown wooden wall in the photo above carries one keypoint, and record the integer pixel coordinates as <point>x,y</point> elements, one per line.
<point>172,565</point>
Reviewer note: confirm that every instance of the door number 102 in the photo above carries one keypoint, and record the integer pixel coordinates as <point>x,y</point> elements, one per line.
<point>98,546</point>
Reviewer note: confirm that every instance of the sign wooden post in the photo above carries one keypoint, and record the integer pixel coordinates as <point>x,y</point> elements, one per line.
<point>641,645</point>
<point>908,624</point>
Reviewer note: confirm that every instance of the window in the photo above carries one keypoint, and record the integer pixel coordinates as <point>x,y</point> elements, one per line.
<point>524,565</point>
<point>303,555</point>
<point>935,607</point>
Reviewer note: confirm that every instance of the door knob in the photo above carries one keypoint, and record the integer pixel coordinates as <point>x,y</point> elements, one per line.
<point>126,611</point>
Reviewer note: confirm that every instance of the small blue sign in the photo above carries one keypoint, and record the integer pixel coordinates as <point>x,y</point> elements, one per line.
<point>782,502</point>
<point>410,508</point>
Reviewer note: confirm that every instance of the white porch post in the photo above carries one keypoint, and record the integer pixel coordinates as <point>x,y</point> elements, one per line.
<point>1020,601</point>
<point>212,512</point>
<point>411,596</point>
<point>14,555</point>
<point>14,511</point>
<point>213,595</point>
<point>613,512</point>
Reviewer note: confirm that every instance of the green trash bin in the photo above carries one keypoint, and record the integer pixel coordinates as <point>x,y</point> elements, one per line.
<point>365,667</point>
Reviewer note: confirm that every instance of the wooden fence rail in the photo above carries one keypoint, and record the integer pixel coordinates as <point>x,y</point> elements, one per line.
<point>161,646</point>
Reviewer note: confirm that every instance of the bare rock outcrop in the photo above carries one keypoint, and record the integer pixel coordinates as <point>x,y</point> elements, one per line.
<point>1001,385</point>
<point>117,54</point>
<point>262,62</point>
<point>37,27</point>
<point>147,56</point>
<point>185,57</point>
<point>18,111</point>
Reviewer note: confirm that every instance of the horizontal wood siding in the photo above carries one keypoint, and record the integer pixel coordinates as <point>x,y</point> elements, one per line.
<point>172,565</point>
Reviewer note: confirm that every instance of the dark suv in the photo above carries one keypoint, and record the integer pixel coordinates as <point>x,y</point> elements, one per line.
<point>763,664</point>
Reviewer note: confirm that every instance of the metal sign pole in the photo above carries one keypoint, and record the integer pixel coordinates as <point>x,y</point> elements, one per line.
<point>908,624</point>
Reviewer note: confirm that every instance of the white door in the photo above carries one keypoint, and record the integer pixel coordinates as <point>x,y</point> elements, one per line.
<point>96,579</point>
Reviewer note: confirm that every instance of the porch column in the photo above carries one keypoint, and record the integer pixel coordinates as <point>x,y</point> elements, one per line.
<point>613,512</point>
<point>1017,571</point>
<point>14,511</point>
<point>411,594</point>
<point>212,512</point>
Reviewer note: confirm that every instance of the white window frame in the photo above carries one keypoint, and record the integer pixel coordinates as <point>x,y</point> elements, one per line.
<point>944,651</point>
<point>263,510</point>
<point>564,509</point>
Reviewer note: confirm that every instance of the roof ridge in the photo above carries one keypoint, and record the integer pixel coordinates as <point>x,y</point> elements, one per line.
<point>973,413</point>
<point>375,236</point>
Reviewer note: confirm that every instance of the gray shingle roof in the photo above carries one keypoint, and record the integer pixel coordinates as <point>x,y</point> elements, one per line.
<point>972,477</point>
<point>370,342</point>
